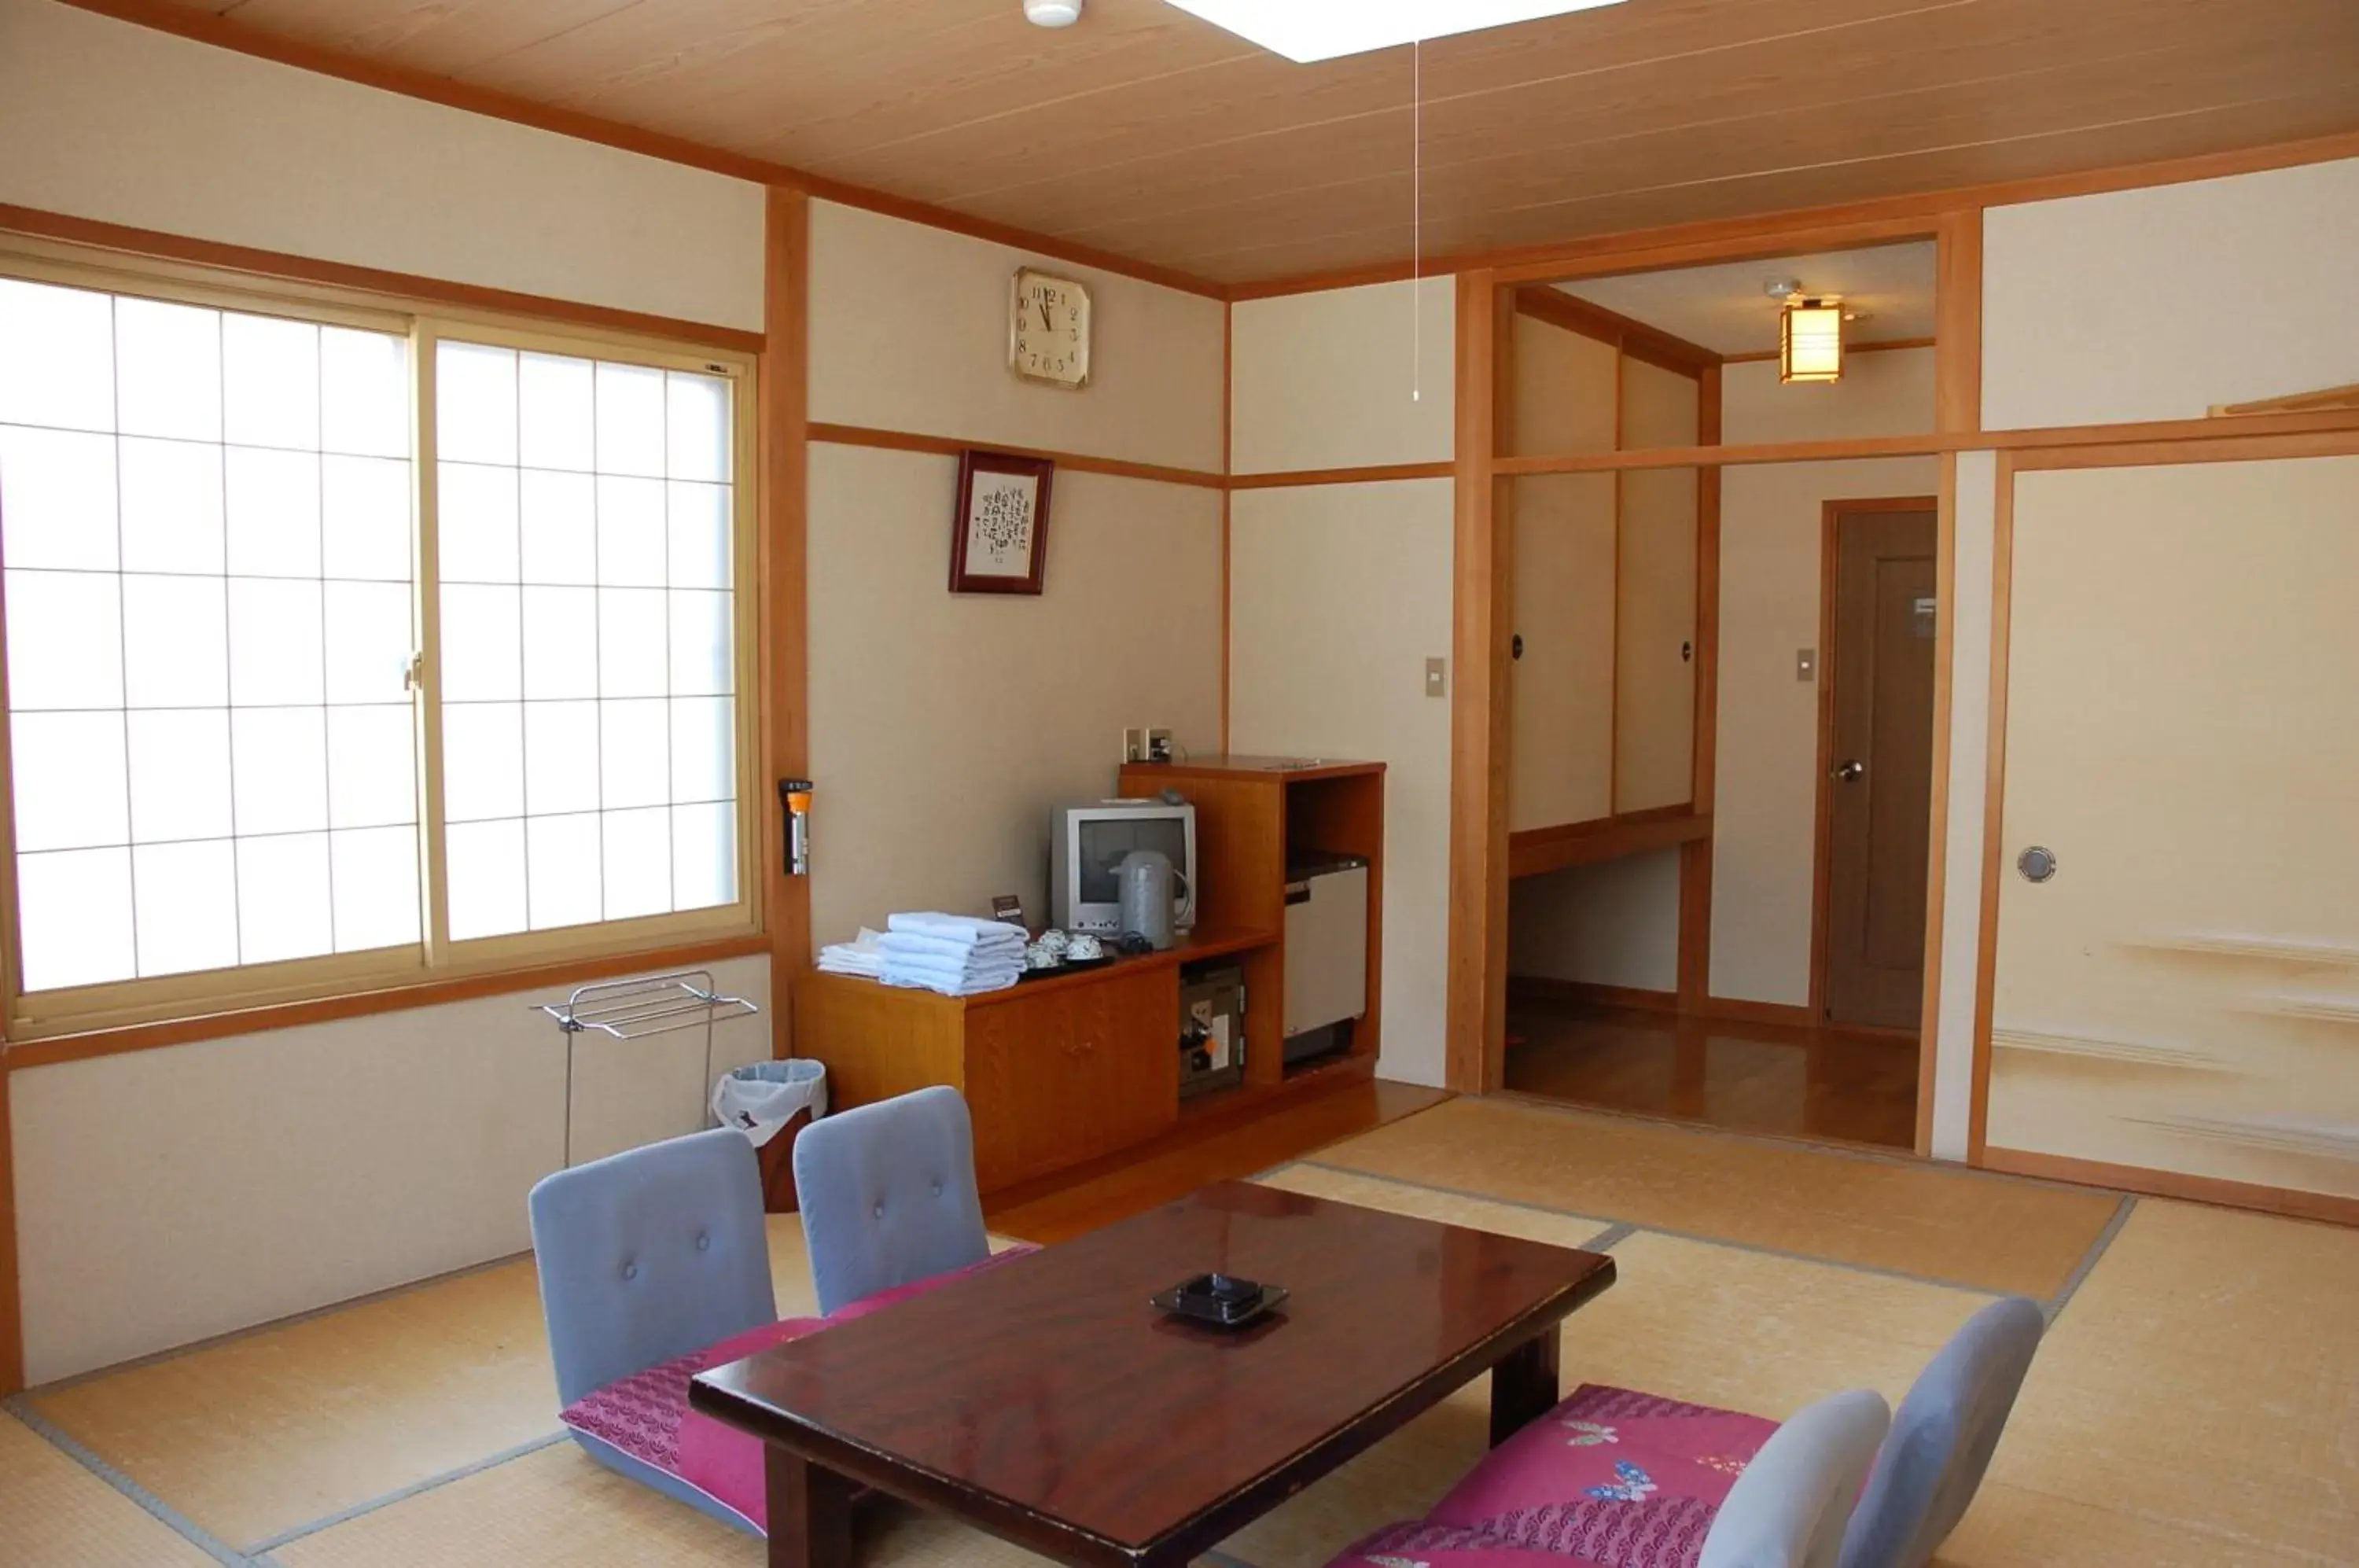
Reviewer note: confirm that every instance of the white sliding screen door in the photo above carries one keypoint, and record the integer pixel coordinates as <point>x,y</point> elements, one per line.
<point>2182,733</point>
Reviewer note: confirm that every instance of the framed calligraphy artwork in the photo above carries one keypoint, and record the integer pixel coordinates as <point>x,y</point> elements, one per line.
<point>999,535</point>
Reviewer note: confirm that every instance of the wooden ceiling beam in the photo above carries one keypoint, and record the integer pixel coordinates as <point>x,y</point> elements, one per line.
<point>1666,351</point>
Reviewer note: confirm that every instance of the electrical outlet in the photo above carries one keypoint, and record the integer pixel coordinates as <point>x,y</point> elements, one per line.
<point>1134,745</point>
<point>1436,677</point>
<point>1806,664</point>
<point>1158,745</point>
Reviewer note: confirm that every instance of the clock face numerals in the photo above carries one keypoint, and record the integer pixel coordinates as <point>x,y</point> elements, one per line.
<point>1048,330</point>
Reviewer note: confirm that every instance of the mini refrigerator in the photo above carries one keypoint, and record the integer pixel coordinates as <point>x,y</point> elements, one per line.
<point>1326,952</point>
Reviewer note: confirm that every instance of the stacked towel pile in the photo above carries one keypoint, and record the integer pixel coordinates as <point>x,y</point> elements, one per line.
<point>954,954</point>
<point>863,957</point>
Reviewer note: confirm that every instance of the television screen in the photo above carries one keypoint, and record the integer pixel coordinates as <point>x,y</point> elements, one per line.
<point>1103,844</point>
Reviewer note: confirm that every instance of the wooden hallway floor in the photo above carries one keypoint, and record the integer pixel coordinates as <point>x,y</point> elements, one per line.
<point>1835,1084</point>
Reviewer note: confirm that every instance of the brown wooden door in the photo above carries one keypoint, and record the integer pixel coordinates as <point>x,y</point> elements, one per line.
<point>1878,707</point>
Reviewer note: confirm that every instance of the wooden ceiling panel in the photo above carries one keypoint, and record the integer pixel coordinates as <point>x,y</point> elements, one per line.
<point>1545,183</point>
<point>1571,132</point>
<point>1146,132</point>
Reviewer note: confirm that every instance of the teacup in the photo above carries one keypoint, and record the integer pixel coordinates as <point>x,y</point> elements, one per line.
<point>1040,955</point>
<point>1056,941</point>
<point>1083,948</point>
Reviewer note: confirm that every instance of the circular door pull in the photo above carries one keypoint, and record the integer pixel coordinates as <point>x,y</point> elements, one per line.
<point>1851,772</point>
<point>2037,863</point>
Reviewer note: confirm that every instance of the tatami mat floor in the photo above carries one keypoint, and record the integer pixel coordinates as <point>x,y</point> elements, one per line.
<point>2194,1403</point>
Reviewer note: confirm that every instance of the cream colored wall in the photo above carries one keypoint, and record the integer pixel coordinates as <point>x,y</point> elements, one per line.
<point>1765,815</point>
<point>1339,594</point>
<point>1560,768</point>
<point>2157,303</point>
<point>2182,732</point>
<point>1888,392</point>
<point>165,1196</point>
<point>1655,627</point>
<point>1326,380</point>
<point>105,120</point>
<point>944,727</point>
<point>1614,924</point>
<point>908,331</point>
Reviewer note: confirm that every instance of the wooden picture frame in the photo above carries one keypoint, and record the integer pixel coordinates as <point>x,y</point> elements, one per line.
<point>999,529</point>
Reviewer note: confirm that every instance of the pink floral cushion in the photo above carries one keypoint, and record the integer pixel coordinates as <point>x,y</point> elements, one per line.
<point>647,1416</point>
<point>1610,1477</point>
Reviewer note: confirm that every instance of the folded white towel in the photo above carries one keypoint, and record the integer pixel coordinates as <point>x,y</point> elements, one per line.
<point>948,971</point>
<point>864,955</point>
<point>918,945</point>
<point>960,987</point>
<point>965,929</point>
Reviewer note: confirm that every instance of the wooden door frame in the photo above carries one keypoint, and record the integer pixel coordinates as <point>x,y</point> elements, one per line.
<point>1476,1008</point>
<point>1831,515</point>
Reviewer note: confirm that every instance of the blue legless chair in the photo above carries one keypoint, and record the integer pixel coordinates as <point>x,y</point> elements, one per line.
<point>887,1195</point>
<point>1942,1437</point>
<point>646,1257</point>
<point>1790,1507</point>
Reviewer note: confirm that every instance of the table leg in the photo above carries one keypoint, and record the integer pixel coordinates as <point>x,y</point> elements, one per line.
<point>810,1513</point>
<point>1523,1387</point>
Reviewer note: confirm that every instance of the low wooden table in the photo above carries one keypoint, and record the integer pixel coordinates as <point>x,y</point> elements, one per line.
<point>1047,1402</point>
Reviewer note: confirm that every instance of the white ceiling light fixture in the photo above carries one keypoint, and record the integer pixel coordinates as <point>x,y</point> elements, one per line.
<point>1307,31</point>
<point>1052,13</point>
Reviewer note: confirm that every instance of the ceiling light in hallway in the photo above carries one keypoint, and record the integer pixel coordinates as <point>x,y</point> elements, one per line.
<point>1310,31</point>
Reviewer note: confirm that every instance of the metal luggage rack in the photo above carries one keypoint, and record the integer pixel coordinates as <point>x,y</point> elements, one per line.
<point>643,1008</point>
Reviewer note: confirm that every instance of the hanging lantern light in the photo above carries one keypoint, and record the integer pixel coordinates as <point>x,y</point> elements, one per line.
<point>1810,341</point>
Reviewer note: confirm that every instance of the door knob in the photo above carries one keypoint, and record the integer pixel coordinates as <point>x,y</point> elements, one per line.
<point>1851,771</point>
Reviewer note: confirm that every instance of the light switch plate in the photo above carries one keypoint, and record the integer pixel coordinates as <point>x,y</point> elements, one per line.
<point>1806,664</point>
<point>1134,745</point>
<point>1436,677</point>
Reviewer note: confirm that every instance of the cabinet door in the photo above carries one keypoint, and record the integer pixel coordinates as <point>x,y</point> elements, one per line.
<point>1073,1074</point>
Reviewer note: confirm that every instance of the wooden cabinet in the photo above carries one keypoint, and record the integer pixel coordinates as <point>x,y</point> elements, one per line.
<point>1067,1069</point>
<point>1073,1074</point>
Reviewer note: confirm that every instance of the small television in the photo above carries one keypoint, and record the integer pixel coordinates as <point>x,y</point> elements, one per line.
<point>1086,845</point>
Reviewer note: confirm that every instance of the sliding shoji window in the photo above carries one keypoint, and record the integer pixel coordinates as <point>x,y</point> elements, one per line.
<point>207,533</point>
<point>588,623</point>
<point>344,644</point>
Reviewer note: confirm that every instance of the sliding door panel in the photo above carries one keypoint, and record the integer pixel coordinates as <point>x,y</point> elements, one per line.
<point>2176,975</point>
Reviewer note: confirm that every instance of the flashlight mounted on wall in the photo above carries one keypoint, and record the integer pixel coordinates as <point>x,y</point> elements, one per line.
<point>795,795</point>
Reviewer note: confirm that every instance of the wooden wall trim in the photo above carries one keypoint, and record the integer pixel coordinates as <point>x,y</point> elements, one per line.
<point>1483,594</point>
<point>1536,852</point>
<point>206,28</point>
<point>1378,474</point>
<point>948,446</point>
<point>1631,336</point>
<point>2295,433</point>
<point>402,287</point>
<point>11,1317</point>
<point>785,661</point>
<point>1958,331</point>
<point>1937,872</point>
<point>1994,815</point>
<point>54,1049</point>
<point>1886,345</point>
<point>1696,858</point>
<point>1228,469</point>
<point>1836,226</point>
<point>2288,1200</point>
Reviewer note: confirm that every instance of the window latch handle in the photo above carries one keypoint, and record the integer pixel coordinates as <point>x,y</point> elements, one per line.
<point>413,674</point>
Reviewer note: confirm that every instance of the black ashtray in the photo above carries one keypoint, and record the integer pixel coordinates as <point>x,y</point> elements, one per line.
<point>1223,1299</point>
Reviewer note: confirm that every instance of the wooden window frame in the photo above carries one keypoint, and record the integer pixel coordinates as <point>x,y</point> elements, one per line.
<point>125,1014</point>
